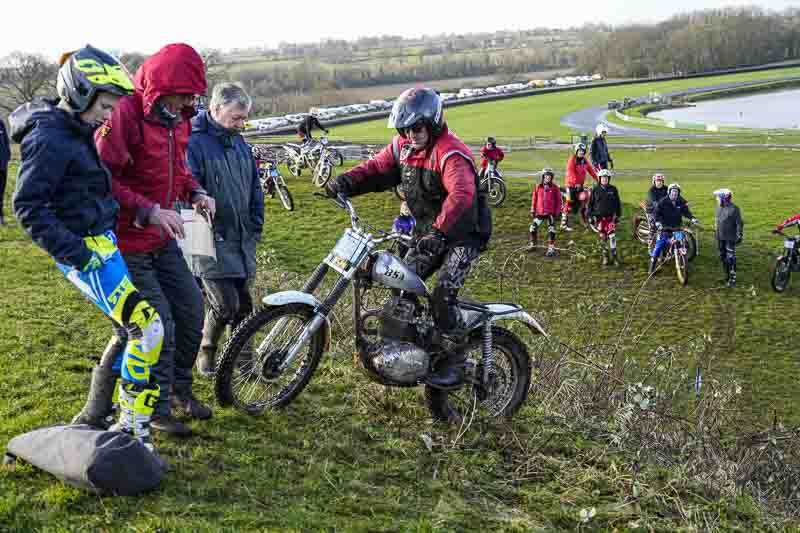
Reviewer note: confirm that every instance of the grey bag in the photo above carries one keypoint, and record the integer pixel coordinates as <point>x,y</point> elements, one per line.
<point>104,462</point>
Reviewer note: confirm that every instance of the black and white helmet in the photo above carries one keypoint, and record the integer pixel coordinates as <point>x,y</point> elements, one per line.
<point>674,186</point>
<point>579,147</point>
<point>86,72</point>
<point>605,173</point>
<point>414,105</point>
<point>547,171</point>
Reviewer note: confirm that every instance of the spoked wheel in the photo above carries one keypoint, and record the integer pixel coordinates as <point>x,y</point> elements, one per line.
<point>294,168</point>
<point>781,272</point>
<point>507,392</point>
<point>285,196</point>
<point>322,173</point>
<point>641,230</point>
<point>691,246</point>
<point>497,192</point>
<point>248,374</point>
<point>682,265</point>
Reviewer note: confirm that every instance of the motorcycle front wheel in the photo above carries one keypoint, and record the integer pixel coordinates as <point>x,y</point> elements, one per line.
<point>285,196</point>
<point>248,375</point>
<point>511,380</point>
<point>691,246</point>
<point>338,159</point>
<point>682,265</point>
<point>781,273</point>
<point>322,174</point>
<point>641,230</point>
<point>497,192</point>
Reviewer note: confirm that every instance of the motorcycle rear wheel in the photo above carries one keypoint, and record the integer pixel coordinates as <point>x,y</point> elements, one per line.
<point>781,272</point>
<point>240,378</point>
<point>497,192</point>
<point>512,378</point>
<point>322,174</point>
<point>641,230</point>
<point>691,246</point>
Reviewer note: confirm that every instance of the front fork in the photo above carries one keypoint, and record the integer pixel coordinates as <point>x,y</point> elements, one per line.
<point>485,384</point>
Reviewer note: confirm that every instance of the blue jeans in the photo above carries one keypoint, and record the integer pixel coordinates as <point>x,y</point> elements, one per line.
<point>663,240</point>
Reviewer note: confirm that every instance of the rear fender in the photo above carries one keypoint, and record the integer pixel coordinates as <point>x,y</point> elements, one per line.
<point>517,316</point>
<point>298,297</point>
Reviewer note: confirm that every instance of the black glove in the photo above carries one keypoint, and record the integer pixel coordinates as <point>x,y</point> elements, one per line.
<point>433,243</point>
<point>335,187</point>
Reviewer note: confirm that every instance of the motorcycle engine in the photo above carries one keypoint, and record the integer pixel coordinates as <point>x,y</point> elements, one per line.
<point>397,356</point>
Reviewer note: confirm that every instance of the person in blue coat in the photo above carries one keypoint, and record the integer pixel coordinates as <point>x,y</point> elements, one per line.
<point>223,163</point>
<point>5,157</point>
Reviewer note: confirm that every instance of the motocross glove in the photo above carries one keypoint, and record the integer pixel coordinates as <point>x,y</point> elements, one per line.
<point>695,221</point>
<point>93,264</point>
<point>335,187</point>
<point>433,243</point>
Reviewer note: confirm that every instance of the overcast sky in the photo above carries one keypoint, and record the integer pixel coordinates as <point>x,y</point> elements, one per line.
<point>53,27</point>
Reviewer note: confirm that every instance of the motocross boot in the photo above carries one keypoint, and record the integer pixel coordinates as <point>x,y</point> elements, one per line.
<point>653,263</point>
<point>450,372</point>
<point>551,250</point>
<point>98,404</point>
<point>136,408</point>
<point>565,222</point>
<point>532,240</point>
<point>614,257</point>
<point>605,256</point>
<point>213,328</point>
<point>732,278</point>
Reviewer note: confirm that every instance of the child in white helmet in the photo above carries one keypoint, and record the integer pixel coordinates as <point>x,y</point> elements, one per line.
<point>729,229</point>
<point>545,206</point>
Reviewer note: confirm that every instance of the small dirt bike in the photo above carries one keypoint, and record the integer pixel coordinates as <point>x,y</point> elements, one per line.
<point>493,183</point>
<point>787,262</point>
<point>272,355</point>
<point>323,165</point>
<point>642,232</point>
<point>677,250</point>
<point>272,182</point>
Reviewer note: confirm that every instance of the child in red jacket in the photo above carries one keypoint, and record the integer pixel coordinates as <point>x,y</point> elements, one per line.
<point>545,206</point>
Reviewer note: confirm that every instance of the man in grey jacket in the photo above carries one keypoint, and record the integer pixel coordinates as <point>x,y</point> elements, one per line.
<point>223,164</point>
<point>729,230</point>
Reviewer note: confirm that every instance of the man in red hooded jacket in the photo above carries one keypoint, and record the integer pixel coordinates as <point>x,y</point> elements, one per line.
<point>144,145</point>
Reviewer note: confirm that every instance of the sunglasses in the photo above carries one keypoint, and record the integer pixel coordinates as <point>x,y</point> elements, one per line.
<point>416,128</point>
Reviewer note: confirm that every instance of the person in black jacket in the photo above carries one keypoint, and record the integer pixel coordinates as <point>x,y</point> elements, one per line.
<point>606,207</point>
<point>729,232</point>
<point>5,156</point>
<point>669,213</point>
<point>63,200</point>
<point>223,164</point>
<point>306,127</point>
<point>601,159</point>
<point>656,193</point>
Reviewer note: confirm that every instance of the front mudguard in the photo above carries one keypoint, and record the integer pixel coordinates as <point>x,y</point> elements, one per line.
<point>520,315</point>
<point>294,297</point>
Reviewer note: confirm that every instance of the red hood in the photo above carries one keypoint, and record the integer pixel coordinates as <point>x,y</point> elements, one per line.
<point>176,68</point>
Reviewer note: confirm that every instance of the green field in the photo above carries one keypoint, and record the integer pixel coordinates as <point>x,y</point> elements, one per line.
<point>349,455</point>
<point>541,115</point>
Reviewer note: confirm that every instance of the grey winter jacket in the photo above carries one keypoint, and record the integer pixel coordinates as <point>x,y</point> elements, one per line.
<point>223,164</point>
<point>728,223</point>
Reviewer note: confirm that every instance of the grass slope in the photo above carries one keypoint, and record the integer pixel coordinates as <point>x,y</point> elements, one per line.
<point>541,115</point>
<point>351,456</point>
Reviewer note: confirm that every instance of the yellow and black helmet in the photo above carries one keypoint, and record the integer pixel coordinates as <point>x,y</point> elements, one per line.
<point>87,71</point>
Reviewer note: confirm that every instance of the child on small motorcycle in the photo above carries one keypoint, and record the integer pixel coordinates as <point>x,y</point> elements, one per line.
<point>490,152</point>
<point>729,230</point>
<point>545,206</point>
<point>656,193</point>
<point>668,213</point>
<point>606,207</point>
<point>577,167</point>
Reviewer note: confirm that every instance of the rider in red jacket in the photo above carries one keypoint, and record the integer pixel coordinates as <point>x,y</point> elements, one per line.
<point>545,206</point>
<point>577,167</point>
<point>491,152</point>
<point>438,177</point>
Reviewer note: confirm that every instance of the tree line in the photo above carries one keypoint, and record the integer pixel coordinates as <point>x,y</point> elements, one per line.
<point>295,76</point>
<point>696,42</point>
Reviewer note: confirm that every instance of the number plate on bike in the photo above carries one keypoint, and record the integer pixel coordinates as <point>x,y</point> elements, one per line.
<point>788,244</point>
<point>347,253</point>
<point>273,173</point>
<point>677,235</point>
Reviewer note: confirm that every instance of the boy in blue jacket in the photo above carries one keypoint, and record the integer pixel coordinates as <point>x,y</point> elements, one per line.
<point>63,200</point>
